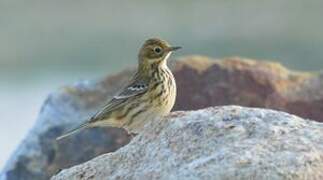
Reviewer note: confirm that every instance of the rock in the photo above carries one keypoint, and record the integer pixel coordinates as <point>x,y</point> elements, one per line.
<point>201,82</point>
<point>215,143</point>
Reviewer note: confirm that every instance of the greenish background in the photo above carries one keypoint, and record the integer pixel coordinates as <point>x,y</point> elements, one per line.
<point>45,44</point>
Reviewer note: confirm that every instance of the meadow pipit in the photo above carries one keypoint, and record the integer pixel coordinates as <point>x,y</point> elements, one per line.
<point>149,94</point>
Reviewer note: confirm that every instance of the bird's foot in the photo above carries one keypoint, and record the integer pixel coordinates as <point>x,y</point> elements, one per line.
<point>132,135</point>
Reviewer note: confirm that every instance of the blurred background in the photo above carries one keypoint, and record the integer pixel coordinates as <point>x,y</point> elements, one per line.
<point>47,44</point>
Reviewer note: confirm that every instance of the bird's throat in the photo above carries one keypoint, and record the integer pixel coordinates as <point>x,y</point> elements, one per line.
<point>146,69</point>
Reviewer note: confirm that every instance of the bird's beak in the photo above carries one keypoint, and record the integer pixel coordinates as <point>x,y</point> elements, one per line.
<point>174,48</point>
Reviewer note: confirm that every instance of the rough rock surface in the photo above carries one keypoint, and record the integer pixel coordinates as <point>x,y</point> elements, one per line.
<point>201,82</point>
<point>215,143</point>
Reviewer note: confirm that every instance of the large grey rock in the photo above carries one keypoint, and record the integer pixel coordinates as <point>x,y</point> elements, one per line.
<point>216,143</point>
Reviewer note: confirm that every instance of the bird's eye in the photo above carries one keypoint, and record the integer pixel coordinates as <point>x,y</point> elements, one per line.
<point>157,50</point>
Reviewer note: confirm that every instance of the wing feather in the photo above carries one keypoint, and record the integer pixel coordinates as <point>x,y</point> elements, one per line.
<point>134,88</point>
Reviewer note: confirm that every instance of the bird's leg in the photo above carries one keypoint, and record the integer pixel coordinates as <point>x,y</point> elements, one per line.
<point>132,135</point>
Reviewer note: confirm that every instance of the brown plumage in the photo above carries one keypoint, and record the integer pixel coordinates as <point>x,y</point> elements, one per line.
<point>149,94</point>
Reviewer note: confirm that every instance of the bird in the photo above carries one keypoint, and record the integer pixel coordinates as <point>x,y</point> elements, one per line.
<point>150,93</point>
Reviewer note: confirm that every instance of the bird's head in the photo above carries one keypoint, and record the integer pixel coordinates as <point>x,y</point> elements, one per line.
<point>155,51</point>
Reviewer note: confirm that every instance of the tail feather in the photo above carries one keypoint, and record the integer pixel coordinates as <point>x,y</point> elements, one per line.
<point>73,131</point>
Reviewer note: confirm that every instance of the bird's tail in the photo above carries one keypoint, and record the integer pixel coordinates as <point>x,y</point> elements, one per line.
<point>73,131</point>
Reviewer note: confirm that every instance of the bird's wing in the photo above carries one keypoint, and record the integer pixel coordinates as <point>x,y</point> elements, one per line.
<point>134,88</point>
